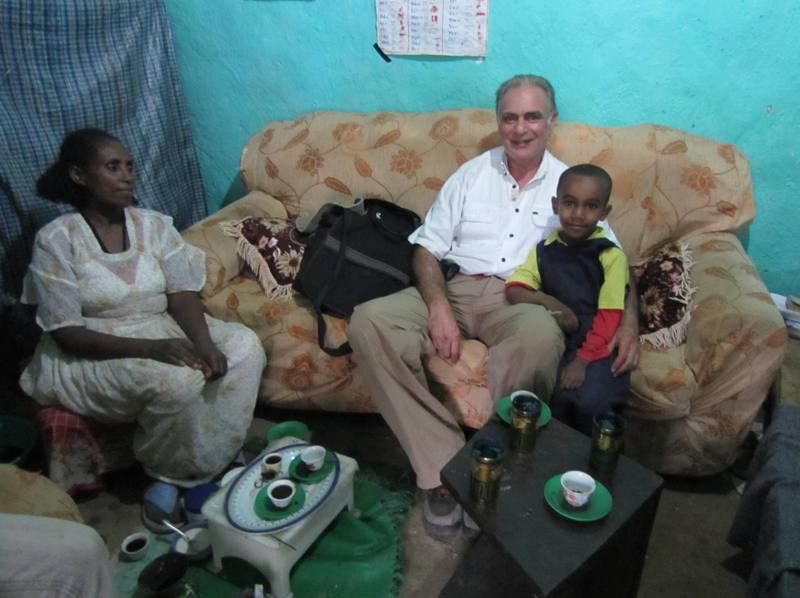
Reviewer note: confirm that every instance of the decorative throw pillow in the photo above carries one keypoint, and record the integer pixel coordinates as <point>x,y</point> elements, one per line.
<point>273,248</point>
<point>665,296</point>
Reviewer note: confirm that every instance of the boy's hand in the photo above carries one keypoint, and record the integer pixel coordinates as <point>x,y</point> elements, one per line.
<point>574,374</point>
<point>566,319</point>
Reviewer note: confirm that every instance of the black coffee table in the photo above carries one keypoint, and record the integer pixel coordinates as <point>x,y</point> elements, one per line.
<point>527,549</point>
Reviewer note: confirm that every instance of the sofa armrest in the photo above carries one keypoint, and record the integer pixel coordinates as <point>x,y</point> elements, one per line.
<point>222,261</point>
<point>737,336</point>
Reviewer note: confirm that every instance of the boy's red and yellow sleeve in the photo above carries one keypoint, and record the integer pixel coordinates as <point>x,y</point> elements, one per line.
<point>610,304</point>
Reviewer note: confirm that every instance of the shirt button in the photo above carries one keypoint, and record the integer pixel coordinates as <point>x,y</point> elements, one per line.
<point>516,209</point>
<point>514,186</point>
<point>511,234</point>
<point>502,259</point>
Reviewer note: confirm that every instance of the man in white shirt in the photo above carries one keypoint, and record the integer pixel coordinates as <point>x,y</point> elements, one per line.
<point>487,217</point>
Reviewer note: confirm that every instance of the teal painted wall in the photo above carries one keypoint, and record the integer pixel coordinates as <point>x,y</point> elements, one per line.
<point>724,69</point>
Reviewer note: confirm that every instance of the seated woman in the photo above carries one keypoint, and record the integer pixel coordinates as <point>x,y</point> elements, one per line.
<point>126,338</point>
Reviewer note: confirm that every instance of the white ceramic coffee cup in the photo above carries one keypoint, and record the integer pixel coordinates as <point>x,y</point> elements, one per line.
<point>281,492</point>
<point>271,464</point>
<point>577,487</point>
<point>313,457</point>
<point>135,546</point>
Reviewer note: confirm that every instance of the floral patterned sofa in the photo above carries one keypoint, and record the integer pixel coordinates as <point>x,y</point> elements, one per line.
<point>691,405</point>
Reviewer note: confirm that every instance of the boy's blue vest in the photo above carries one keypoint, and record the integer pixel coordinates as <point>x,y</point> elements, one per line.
<point>573,274</point>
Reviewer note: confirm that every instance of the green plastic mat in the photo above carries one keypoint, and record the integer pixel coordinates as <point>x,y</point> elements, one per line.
<point>360,554</point>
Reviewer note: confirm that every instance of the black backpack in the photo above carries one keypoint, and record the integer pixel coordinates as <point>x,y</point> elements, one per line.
<point>353,255</point>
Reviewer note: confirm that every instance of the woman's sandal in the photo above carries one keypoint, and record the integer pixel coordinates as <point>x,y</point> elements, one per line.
<point>161,502</point>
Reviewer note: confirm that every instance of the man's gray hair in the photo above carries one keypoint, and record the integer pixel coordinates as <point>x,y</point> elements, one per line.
<point>521,80</point>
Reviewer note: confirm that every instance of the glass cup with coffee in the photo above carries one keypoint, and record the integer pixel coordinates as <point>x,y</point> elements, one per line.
<point>607,441</point>
<point>486,470</point>
<point>525,410</point>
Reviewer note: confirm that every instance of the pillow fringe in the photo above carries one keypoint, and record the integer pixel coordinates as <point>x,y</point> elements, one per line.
<point>232,228</point>
<point>669,337</point>
<point>686,290</point>
<point>254,260</point>
<point>676,334</point>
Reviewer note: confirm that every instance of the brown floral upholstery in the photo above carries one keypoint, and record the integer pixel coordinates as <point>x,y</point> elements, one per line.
<point>691,405</point>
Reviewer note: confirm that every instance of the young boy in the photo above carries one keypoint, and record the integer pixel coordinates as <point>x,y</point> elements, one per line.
<point>581,277</point>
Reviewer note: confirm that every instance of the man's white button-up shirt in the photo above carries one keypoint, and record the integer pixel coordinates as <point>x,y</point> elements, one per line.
<point>482,221</point>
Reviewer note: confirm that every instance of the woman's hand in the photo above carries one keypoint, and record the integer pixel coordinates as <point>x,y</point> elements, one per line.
<point>187,310</point>
<point>215,361</point>
<point>175,351</point>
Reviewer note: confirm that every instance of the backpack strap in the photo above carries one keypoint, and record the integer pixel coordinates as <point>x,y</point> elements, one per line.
<point>344,348</point>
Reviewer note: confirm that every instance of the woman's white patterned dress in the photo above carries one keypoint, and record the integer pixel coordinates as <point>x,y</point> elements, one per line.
<point>188,429</point>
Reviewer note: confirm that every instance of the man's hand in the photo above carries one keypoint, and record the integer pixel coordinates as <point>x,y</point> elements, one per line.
<point>626,342</point>
<point>574,374</point>
<point>442,325</point>
<point>444,331</point>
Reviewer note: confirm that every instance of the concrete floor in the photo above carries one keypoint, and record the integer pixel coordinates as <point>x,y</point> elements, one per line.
<point>687,556</point>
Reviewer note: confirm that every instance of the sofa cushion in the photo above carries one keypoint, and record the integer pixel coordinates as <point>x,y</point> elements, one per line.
<point>299,375</point>
<point>222,262</point>
<point>664,288</point>
<point>272,248</point>
<point>668,184</point>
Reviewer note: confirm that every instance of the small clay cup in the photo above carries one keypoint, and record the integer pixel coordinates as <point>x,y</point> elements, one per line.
<point>271,466</point>
<point>281,492</point>
<point>134,546</point>
<point>577,488</point>
<point>313,457</point>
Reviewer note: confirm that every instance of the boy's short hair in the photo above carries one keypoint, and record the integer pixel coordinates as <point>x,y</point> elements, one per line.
<point>589,170</point>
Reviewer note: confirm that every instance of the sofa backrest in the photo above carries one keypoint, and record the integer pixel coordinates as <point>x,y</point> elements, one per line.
<point>668,184</point>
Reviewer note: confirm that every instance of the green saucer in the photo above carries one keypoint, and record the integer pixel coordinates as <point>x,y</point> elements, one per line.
<point>311,477</point>
<point>504,411</point>
<point>599,505</point>
<point>293,428</point>
<point>267,511</point>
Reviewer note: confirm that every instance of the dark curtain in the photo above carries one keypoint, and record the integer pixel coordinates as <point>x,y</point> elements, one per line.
<point>69,64</point>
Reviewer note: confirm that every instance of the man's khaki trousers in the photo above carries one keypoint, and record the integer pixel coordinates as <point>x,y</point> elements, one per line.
<point>389,337</point>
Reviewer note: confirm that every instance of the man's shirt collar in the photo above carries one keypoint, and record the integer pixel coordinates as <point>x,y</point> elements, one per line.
<point>540,172</point>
